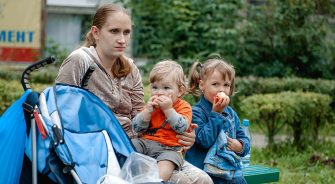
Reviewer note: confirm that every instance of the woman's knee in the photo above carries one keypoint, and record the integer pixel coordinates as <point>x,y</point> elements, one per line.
<point>190,174</point>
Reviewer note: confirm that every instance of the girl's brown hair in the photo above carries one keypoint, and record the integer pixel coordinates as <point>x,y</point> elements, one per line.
<point>121,67</point>
<point>202,71</point>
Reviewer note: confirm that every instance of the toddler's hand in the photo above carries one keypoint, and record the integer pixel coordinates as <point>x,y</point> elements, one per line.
<point>234,145</point>
<point>164,102</point>
<point>152,103</point>
<point>221,100</point>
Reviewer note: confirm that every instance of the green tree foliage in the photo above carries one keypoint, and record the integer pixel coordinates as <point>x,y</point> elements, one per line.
<point>288,37</point>
<point>270,38</point>
<point>54,49</point>
<point>185,29</point>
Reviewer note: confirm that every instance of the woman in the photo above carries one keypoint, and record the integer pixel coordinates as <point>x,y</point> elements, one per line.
<point>116,79</point>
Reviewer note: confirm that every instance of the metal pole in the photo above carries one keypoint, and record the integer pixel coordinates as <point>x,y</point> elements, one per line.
<point>34,158</point>
<point>75,176</point>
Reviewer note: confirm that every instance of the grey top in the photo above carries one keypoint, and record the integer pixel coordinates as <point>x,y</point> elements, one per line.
<point>124,96</point>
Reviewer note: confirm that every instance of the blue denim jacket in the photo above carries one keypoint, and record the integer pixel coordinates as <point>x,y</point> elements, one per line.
<point>222,162</point>
<point>210,125</point>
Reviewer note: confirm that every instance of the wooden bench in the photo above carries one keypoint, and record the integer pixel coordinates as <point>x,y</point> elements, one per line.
<point>260,174</point>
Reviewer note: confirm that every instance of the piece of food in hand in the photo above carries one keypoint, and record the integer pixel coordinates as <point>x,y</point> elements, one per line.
<point>220,95</point>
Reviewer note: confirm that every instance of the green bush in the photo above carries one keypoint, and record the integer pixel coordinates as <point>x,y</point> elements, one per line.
<point>304,112</point>
<point>10,91</point>
<point>11,88</point>
<point>9,75</point>
<point>45,75</point>
<point>247,86</point>
<point>12,71</point>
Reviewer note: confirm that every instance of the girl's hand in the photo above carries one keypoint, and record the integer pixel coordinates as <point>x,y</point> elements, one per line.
<point>188,138</point>
<point>234,145</point>
<point>221,100</point>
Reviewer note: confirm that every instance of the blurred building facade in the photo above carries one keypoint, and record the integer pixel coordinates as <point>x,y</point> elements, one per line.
<point>29,27</point>
<point>65,22</point>
<point>20,30</point>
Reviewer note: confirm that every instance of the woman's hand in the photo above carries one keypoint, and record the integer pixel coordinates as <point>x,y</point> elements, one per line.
<point>188,138</point>
<point>234,145</point>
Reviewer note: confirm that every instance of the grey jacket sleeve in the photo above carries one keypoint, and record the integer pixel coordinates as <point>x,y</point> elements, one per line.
<point>139,124</point>
<point>177,122</point>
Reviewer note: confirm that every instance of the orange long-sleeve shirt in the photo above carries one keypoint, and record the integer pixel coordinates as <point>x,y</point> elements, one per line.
<point>166,135</point>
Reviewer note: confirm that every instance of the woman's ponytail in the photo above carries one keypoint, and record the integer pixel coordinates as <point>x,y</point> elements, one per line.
<point>89,39</point>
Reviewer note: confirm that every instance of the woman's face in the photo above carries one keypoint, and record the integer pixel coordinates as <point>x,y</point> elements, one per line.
<point>114,36</point>
<point>214,84</point>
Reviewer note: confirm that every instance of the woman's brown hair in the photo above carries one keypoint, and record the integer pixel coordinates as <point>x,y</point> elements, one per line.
<point>121,67</point>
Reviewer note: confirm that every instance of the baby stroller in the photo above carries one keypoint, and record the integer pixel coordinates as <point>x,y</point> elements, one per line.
<point>71,135</point>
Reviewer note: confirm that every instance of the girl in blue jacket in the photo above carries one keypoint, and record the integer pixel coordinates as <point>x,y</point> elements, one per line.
<point>220,140</point>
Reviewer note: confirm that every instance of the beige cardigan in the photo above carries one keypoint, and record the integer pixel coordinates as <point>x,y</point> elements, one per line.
<point>123,96</point>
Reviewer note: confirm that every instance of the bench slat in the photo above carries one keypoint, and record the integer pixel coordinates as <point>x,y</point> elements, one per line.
<point>260,174</point>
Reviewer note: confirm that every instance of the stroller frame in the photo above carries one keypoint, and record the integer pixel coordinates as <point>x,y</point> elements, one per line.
<point>35,121</point>
<point>33,112</point>
<point>30,107</point>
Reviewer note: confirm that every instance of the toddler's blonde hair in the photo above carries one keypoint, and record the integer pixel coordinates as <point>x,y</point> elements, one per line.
<point>168,68</point>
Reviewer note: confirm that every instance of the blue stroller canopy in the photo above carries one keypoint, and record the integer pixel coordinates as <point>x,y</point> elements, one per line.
<point>84,123</point>
<point>12,141</point>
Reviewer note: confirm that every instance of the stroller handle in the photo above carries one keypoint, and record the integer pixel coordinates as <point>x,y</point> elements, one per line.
<point>31,68</point>
<point>87,76</point>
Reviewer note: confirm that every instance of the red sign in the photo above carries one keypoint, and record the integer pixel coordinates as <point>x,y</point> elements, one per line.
<point>20,30</point>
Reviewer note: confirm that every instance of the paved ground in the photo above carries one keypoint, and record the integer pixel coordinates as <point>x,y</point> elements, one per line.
<point>260,141</point>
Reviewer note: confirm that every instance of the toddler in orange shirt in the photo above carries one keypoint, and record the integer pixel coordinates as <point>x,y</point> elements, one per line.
<point>164,116</point>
